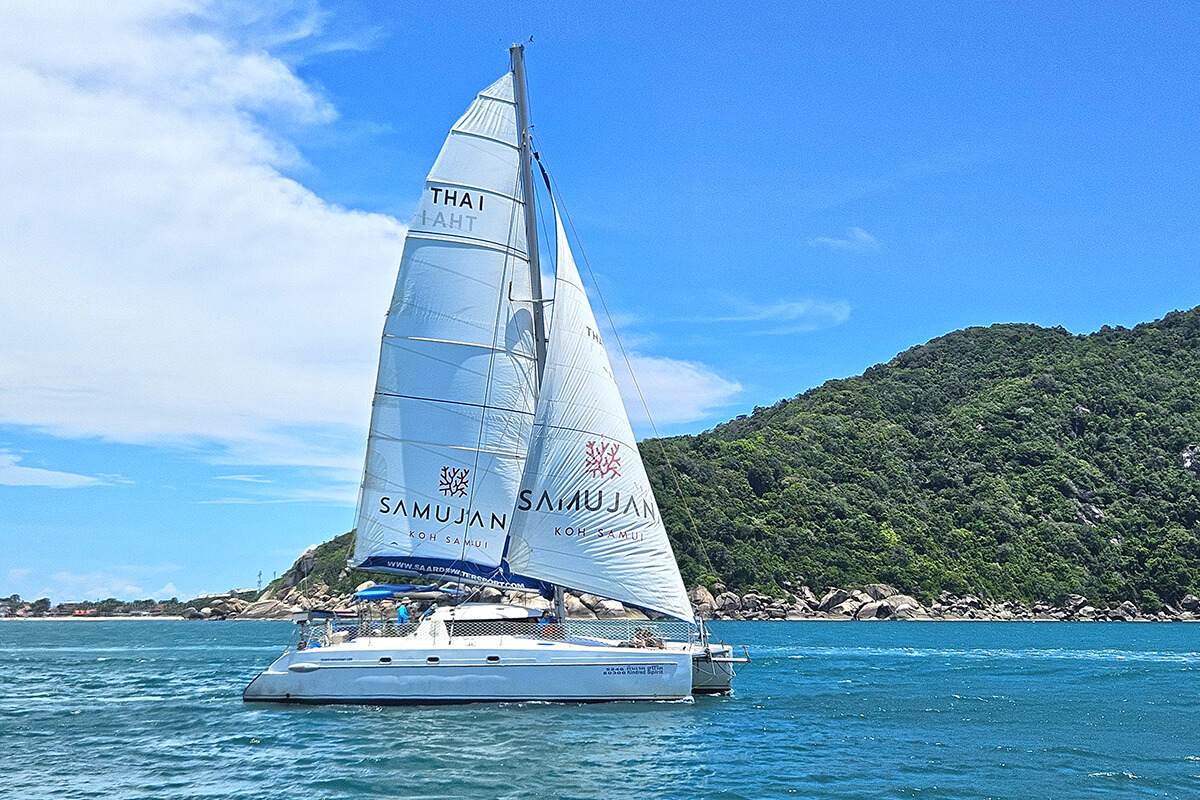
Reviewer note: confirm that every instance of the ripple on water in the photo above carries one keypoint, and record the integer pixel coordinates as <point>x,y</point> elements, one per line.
<point>153,709</point>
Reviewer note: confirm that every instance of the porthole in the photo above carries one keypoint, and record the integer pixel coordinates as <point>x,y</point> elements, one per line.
<point>385,660</point>
<point>493,659</point>
<point>433,659</point>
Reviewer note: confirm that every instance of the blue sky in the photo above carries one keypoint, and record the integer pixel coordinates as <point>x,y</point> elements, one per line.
<point>205,202</point>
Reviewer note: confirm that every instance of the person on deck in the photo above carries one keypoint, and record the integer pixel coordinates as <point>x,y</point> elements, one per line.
<point>402,615</point>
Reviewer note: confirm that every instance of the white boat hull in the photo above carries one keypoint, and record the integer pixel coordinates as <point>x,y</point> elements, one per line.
<point>713,670</point>
<point>378,672</point>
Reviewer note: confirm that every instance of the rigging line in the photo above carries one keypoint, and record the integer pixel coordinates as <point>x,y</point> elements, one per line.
<point>629,366</point>
<point>547,230</point>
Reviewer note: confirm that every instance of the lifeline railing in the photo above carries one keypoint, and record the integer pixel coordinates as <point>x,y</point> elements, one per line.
<point>653,634</point>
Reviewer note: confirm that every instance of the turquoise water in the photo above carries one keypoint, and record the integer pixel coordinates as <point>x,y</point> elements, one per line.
<point>827,710</point>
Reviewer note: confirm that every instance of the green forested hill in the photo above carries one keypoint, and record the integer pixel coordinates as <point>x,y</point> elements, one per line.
<point>1014,461</point>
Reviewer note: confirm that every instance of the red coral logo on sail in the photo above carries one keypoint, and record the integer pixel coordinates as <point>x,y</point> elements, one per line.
<point>601,460</point>
<point>453,482</point>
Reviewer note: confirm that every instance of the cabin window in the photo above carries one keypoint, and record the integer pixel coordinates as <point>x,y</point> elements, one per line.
<point>433,659</point>
<point>385,660</point>
<point>493,659</point>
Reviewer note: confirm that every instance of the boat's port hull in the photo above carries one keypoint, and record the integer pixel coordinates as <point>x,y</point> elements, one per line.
<point>713,671</point>
<point>367,673</point>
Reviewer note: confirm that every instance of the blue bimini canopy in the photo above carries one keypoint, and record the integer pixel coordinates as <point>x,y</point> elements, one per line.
<point>385,591</point>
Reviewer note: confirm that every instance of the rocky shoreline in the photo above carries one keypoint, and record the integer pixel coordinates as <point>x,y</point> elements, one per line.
<point>874,602</point>
<point>877,601</point>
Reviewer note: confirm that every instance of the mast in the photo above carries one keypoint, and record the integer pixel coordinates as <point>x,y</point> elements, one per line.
<point>517,51</point>
<point>531,242</point>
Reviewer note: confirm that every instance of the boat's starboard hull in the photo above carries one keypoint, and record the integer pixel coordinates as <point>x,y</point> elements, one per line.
<point>562,672</point>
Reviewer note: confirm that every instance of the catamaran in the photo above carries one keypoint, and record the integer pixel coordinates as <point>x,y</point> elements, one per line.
<point>500,455</point>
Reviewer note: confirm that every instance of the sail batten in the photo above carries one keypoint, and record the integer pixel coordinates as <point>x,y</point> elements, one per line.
<point>510,251</point>
<point>484,136</point>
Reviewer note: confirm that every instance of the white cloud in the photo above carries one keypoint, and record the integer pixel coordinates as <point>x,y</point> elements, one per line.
<point>96,585</point>
<point>331,491</point>
<point>164,282</point>
<point>12,474</point>
<point>115,478</point>
<point>676,391</point>
<point>788,316</point>
<point>855,239</point>
<point>123,581</point>
<point>245,478</point>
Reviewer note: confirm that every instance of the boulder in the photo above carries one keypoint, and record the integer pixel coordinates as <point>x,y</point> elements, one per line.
<point>833,597</point>
<point>1129,609</point>
<point>364,585</point>
<point>1190,603</point>
<point>799,610</point>
<point>590,600</point>
<point>873,609</point>
<point>577,610</point>
<point>908,612</point>
<point>699,596</point>
<point>1189,458</point>
<point>264,609</point>
<point>538,603</point>
<point>879,591</point>
<point>728,602</point>
<point>190,613</point>
<point>609,609</point>
<point>1074,602</point>
<point>635,614</point>
<point>206,612</point>
<point>300,570</point>
<point>490,594</point>
<point>806,594</point>
<point>846,608</point>
<point>898,602</point>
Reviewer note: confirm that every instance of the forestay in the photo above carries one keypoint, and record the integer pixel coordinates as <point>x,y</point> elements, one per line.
<point>586,517</point>
<point>455,394</point>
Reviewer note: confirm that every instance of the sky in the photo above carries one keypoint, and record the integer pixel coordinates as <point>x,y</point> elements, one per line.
<point>203,204</point>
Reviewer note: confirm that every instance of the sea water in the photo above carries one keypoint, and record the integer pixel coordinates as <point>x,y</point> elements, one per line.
<point>153,709</point>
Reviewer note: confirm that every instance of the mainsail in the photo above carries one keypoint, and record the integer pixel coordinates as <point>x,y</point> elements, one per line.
<point>586,516</point>
<point>456,389</point>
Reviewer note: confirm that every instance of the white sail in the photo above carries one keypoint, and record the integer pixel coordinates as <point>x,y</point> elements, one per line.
<point>456,389</point>
<point>586,516</point>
